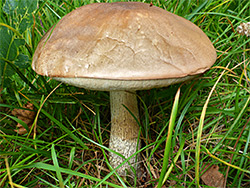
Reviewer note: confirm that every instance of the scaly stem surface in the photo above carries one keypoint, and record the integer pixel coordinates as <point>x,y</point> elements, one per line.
<point>124,131</point>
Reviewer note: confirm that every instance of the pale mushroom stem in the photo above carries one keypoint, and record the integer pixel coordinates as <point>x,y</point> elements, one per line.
<point>124,131</point>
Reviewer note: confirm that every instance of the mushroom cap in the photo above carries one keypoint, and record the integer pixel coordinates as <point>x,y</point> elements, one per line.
<point>123,45</point>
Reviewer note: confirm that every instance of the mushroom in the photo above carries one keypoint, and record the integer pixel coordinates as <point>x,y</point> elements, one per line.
<point>123,47</point>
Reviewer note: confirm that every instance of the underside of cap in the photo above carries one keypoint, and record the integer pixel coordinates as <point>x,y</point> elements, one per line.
<point>121,85</point>
<point>123,41</point>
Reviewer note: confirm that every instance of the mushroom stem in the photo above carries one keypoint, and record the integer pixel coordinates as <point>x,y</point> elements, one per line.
<point>124,131</point>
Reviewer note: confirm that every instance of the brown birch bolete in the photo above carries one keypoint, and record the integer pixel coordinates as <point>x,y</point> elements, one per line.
<point>123,47</point>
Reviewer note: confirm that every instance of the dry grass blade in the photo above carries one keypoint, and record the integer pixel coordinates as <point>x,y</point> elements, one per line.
<point>199,133</point>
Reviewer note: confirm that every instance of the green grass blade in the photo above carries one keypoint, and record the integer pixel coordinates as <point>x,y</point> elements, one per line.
<point>19,35</point>
<point>174,161</point>
<point>17,120</point>
<point>22,76</point>
<point>71,157</point>
<point>78,140</point>
<point>169,139</point>
<point>44,166</point>
<point>56,165</point>
<point>234,124</point>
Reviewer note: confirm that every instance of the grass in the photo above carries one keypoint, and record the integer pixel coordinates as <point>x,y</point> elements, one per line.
<point>67,142</point>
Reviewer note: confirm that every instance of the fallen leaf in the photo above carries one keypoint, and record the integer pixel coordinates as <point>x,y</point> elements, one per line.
<point>26,116</point>
<point>212,176</point>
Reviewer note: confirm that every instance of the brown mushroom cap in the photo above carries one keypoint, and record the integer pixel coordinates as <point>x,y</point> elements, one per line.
<point>123,45</point>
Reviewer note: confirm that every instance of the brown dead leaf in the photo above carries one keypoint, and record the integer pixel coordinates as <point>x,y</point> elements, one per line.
<point>26,116</point>
<point>212,176</point>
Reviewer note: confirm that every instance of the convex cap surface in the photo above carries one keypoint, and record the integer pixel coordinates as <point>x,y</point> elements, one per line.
<point>123,41</point>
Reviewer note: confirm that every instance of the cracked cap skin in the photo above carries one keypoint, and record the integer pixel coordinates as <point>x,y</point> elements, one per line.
<point>123,42</point>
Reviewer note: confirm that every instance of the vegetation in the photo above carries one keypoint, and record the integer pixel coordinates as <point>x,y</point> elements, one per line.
<point>65,144</point>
